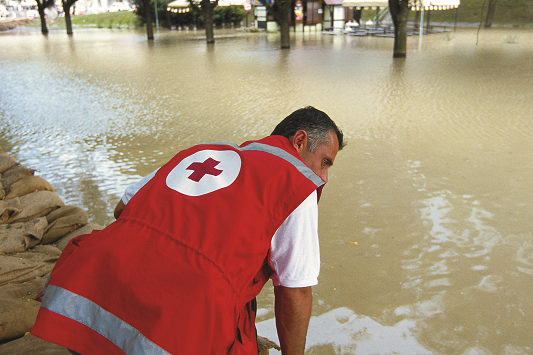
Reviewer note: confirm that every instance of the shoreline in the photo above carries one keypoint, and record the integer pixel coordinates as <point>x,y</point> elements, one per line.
<point>9,24</point>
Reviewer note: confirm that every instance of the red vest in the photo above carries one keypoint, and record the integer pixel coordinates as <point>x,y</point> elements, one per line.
<point>176,273</point>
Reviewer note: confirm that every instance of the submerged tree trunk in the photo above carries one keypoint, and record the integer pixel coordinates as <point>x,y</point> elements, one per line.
<point>399,10</point>
<point>207,8</point>
<point>280,10</point>
<point>41,6</point>
<point>207,11</point>
<point>148,19</point>
<point>67,4</point>
<point>68,20</point>
<point>44,28</point>
<point>490,13</point>
<point>284,25</point>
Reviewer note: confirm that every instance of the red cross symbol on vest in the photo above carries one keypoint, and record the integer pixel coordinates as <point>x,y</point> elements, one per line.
<point>212,170</point>
<point>202,169</point>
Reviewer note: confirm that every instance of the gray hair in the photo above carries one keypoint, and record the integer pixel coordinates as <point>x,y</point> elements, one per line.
<point>315,123</point>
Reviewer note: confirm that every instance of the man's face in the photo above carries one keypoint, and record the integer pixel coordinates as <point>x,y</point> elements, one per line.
<point>323,157</point>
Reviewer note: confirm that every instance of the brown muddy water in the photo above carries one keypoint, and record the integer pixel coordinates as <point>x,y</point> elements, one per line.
<point>426,224</point>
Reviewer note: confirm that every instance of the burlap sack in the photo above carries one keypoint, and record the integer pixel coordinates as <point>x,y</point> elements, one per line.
<point>6,162</point>
<point>36,204</point>
<point>47,251</point>
<point>18,309</point>
<point>32,345</point>
<point>86,229</point>
<point>27,185</point>
<point>62,221</point>
<point>14,174</point>
<point>2,191</point>
<point>9,209</point>
<point>25,266</point>
<point>64,211</point>
<point>264,345</point>
<point>18,237</point>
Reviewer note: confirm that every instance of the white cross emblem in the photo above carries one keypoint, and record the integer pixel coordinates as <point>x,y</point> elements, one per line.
<point>204,172</point>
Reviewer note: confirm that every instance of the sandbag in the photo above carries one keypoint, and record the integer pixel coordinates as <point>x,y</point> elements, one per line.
<point>6,162</point>
<point>27,185</point>
<point>24,291</point>
<point>36,204</point>
<point>31,345</point>
<point>264,345</point>
<point>9,209</point>
<point>25,266</point>
<point>47,251</point>
<point>18,309</point>
<point>62,221</point>
<point>2,191</point>
<point>86,229</point>
<point>14,174</point>
<point>18,237</point>
<point>64,211</point>
<point>17,317</point>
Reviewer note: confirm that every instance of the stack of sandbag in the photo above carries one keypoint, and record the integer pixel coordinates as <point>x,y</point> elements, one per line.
<point>35,226</point>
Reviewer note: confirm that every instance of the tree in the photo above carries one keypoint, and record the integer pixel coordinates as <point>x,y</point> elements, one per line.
<point>280,10</point>
<point>399,10</point>
<point>490,13</point>
<point>144,12</point>
<point>41,6</point>
<point>207,12</point>
<point>206,8</point>
<point>148,19</point>
<point>67,4</point>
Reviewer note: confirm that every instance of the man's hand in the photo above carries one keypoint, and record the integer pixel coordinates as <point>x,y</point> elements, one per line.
<point>293,310</point>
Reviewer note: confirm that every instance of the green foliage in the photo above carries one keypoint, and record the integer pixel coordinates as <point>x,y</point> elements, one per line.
<point>228,15</point>
<point>507,12</point>
<point>511,39</point>
<point>222,15</point>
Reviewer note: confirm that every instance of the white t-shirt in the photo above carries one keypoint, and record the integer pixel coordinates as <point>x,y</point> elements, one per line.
<point>294,252</point>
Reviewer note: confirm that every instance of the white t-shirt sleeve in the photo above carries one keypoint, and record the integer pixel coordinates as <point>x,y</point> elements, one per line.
<point>294,253</point>
<point>134,188</point>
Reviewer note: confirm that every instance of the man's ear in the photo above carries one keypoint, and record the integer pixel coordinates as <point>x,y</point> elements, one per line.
<point>299,140</point>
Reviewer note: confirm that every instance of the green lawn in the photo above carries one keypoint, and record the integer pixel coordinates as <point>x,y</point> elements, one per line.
<point>507,13</point>
<point>119,19</point>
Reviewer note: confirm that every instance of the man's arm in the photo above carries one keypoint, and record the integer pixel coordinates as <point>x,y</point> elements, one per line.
<point>119,209</point>
<point>293,310</point>
<point>130,191</point>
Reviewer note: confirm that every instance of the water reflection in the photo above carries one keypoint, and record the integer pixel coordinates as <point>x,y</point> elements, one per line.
<point>426,220</point>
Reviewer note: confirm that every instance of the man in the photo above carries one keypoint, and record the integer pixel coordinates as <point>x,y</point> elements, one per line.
<point>193,244</point>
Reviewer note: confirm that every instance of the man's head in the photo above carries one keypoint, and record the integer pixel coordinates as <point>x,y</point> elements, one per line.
<point>315,136</point>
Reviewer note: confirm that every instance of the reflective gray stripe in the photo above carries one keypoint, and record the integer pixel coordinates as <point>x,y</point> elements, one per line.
<point>302,168</point>
<point>114,329</point>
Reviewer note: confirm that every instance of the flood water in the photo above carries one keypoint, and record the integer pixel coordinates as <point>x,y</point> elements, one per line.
<point>426,223</point>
